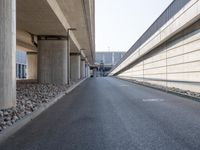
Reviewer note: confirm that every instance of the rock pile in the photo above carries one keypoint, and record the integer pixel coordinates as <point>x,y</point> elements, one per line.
<point>29,98</point>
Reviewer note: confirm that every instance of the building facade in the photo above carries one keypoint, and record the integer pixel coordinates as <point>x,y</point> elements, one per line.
<point>21,65</point>
<point>108,58</point>
<point>105,61</point>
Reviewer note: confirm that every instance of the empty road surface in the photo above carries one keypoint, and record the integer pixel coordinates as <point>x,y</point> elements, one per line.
<point>111,114</point>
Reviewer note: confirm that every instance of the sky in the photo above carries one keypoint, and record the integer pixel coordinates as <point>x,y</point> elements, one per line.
<point>119,23</point>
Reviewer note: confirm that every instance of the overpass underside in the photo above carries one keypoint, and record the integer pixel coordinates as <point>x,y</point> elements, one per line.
<point>171,56</point>
<point>57,36</point>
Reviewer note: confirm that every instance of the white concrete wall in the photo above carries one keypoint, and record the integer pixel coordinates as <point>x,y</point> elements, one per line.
<point>184,18</point>
<point>176,63</point>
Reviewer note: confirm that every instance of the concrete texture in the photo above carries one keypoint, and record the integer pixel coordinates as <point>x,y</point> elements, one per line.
<point>7,53</point>
<point>110,114</point>
<point>87,70</point>
<point>75,62</point>
<point>24,41</point>
<point>32,65</point>
<point>174,64</point>
<point>52,63</point>
<point>83,69</point>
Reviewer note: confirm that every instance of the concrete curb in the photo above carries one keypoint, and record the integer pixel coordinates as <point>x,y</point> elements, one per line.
<point>19,124</point>
<point>164,90</point>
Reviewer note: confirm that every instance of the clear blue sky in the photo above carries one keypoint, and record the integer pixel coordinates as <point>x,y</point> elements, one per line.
<point>119,23</point>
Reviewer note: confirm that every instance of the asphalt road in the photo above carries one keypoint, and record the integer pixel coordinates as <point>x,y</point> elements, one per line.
<point>111,114</point>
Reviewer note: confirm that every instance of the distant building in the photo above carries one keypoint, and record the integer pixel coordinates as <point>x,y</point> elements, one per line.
<point>108,58</point>
<point>105,61</point>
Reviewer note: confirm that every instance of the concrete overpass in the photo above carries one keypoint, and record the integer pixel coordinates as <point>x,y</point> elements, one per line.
<point>168,52</point>
<point>58,36</point>
<point>101,113</point>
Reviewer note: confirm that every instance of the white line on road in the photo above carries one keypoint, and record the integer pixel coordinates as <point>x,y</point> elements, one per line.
<point>153,100</point>
<point>124,85</point>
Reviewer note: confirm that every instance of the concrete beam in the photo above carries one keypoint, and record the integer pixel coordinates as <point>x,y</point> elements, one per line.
<point>75,54</point>
<point>7,53</point>
<point>25,41</point>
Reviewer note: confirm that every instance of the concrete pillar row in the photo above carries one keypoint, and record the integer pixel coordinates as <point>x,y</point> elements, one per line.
<point>75,61</point>
<point>7,53</point>
<point>52,61</point>
<point>32,58</point>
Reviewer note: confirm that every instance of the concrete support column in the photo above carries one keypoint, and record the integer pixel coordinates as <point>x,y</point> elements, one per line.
<point>95,72</point>
<point>32,65</point>
<point>83,69</point>
<point>7,53</point>
<point>87,70</point>
<point>75,60</point>
<point>52,60</point>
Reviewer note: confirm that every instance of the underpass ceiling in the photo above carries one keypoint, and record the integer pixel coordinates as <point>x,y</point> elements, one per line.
<point>37,17</point>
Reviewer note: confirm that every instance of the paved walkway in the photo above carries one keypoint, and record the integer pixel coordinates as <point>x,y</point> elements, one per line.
<point>111,114</point>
